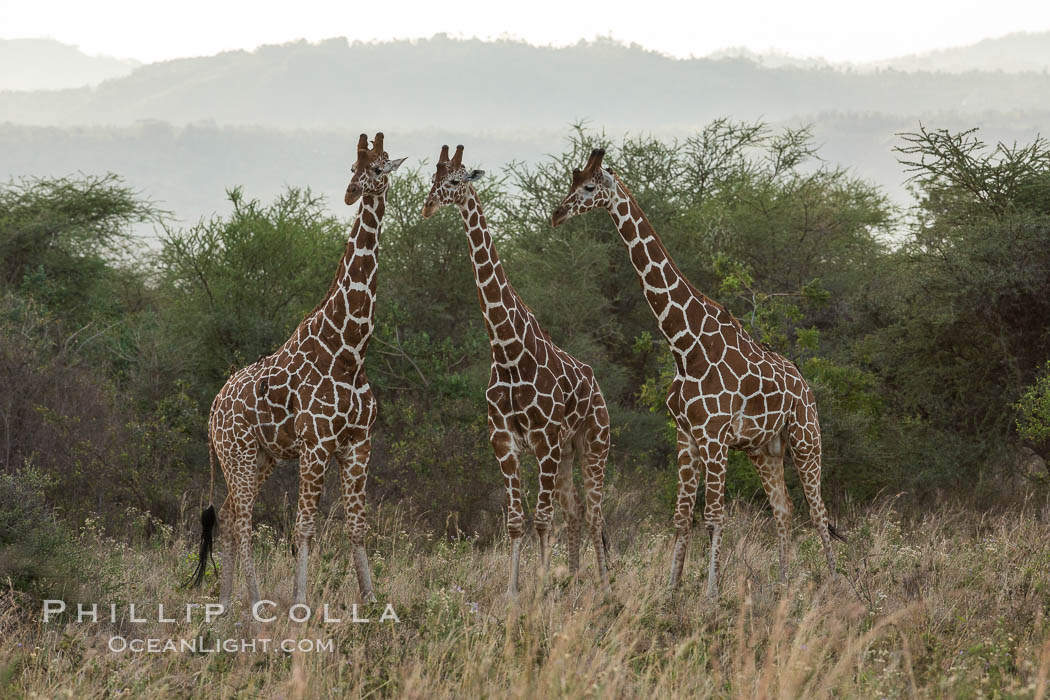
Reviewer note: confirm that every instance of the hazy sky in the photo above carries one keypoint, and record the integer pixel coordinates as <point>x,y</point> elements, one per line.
<point>840,30</point>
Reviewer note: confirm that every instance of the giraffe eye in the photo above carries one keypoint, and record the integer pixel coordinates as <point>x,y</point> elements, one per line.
<point>377,170</point>
<point>589,188</point>
<point>454,182</point>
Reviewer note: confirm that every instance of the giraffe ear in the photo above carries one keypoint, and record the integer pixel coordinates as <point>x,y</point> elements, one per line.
<point>393,165</point>
<point>607,179</point>
<point>474,175</point>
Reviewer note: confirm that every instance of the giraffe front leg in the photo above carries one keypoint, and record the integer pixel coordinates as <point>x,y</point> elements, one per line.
<point>548,457</point>
<point>312,463</point>
<point>688,478</point>
<point>713,455</point>
<point>353,472</point>
<point>509,463</point>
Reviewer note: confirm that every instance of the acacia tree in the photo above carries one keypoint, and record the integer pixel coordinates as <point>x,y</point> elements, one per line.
<point>968,327</point>
<point>70,244</point>
<point>236,286</point>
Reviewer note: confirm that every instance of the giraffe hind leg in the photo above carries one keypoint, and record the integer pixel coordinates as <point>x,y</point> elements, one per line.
<point>571,507</point>
<point>228,540</point>
<point>235,522</point>
<point>769,462</point>
<point>594,456</point>
<point>548,458</point>
<point>804,434</point>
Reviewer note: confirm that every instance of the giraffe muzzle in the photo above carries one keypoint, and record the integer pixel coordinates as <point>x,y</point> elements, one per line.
<point>560,215</point>
<point>353,193</point>
<point>430,208</point>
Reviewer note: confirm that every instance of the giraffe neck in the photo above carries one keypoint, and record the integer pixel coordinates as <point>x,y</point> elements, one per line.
<point>345,318</point>
<point>667,291</point>
<point>500,306</point>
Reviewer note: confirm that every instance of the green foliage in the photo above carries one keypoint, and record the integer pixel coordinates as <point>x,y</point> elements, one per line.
<point>61,237</point>
<point>963,304</point>
<point>1033,423</point>
<point>38,555</point>
<point>239,284</point>
<point>924,339</point>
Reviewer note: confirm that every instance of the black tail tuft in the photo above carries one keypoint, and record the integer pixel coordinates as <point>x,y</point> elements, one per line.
<point>208,521</point>
<point>605,543</point>
<point>835,533</point>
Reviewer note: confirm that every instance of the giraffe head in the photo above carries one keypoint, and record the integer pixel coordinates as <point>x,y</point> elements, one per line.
<point>451,182</point>
<point>371,171</point>
<point>592,187</point>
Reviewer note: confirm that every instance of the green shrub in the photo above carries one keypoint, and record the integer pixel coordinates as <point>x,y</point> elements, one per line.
<point>1033,421</point>
<point>38,553</point>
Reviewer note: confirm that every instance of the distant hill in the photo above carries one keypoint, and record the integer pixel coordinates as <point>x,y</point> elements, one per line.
<point>471,85</point>
<point>46,64</point>
<point>1012,53</point>
<point>183,130</point>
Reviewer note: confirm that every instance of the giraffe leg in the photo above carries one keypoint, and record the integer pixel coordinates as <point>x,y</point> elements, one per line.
<point>228,538</point>
<point>548,457</point>
<point>572,509</point>
<point>769,462</point>
<point>688,478</point>
<point>595,452</point>
<point>509,462</point>
<point>353,472</point>
<point>312,463</point>
<point>243,525</point>
<point>713,455</point>
<point>239,467</point>
<point>804,435</point>
<point>266,464</point>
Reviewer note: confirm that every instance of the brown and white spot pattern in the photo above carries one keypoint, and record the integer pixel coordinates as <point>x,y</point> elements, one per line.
<point>540,398</point>
<point>729,391</point>
<point>310,400</point>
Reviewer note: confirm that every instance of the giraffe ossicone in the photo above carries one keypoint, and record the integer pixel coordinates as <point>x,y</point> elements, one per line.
<point>310,400</point>
<point>540,399</point>
<point>729,392</point>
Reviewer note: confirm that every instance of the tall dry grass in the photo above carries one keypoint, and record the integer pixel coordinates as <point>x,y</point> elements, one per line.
<point>942,603</point>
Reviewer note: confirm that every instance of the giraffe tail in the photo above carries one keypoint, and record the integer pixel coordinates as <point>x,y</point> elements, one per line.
<point>835,533</point>
<point>208,522</point>
<point>605,543</point>
<point>211,463</point>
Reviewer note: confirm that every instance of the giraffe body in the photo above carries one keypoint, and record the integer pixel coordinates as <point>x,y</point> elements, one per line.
<point>310,400</point>
<point>540,399</point>
<point>729,392</point>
